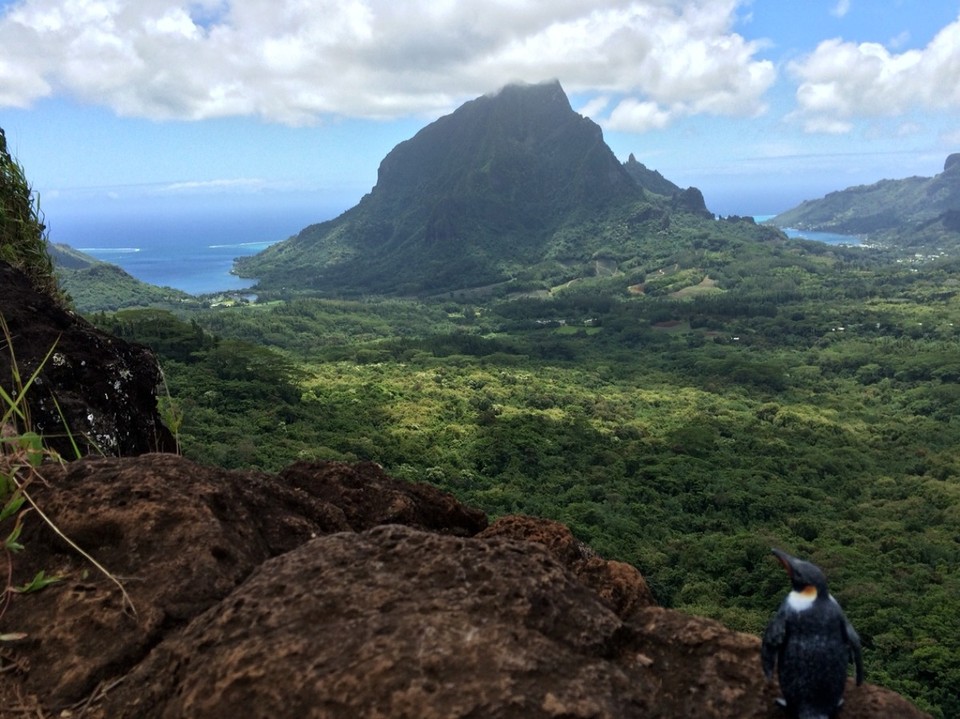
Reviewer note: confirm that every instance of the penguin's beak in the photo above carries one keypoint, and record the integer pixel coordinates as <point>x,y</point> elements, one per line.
<point>785,559</point>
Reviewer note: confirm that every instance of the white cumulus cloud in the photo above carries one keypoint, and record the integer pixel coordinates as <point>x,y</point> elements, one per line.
<point>638,116</point>
<point>301,61</point>
<point>842,81</point>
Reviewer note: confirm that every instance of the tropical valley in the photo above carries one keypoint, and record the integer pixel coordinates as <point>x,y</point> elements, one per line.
<point>515,316</point>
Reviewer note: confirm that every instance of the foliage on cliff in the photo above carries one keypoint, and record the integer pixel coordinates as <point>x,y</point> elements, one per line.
<point>650,180</point>
<point>23,240</point>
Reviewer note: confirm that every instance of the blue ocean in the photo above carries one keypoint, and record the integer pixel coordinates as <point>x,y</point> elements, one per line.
<point>191,249</point>
<point>830,238</point>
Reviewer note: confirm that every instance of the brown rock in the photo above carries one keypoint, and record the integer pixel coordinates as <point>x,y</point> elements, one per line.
<point>395,622</point>
<point>556,537</point>
<point>181,537</point>
<point>257,597</point>
<point>178,537</point>
<point>368,497</point>
<point>618,584</point>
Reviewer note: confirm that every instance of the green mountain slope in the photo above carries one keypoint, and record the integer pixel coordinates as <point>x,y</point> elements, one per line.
<point>915,213</point>
<point>66,257</point>
<point>23,236</point>
<point>512,186</point>
<point>94,285</point>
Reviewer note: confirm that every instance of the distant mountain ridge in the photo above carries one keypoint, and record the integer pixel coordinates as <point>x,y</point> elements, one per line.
<point>912,213</point>
<point>507,183</point>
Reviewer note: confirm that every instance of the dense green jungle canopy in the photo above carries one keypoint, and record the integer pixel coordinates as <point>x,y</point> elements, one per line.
<point>805,397</point>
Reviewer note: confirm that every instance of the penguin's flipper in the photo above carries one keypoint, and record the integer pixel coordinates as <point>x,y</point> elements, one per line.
<point>856,655</point>
<point>773,639</point>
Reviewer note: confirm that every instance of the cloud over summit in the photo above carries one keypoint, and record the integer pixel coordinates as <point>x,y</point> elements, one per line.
<point>641,64</point>
<point>302,61</point>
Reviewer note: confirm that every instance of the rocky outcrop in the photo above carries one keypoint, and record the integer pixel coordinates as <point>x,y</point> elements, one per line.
<point>92,389</point>
<point>648,179</point>
<point>619,585</point>
<point>183,536</point>
<point>692,201</point>
<point>334,590</point>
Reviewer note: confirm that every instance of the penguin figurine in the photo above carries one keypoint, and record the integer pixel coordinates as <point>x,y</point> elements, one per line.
<point>810,642</point>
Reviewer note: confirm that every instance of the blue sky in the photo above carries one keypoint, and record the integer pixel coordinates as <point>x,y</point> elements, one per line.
<point>114,105</point>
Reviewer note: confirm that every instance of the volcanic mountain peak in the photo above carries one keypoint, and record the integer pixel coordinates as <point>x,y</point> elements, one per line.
<point>504,187</point>
<point>523,142</point>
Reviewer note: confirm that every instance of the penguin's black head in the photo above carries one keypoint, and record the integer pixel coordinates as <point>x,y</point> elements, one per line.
<point>804,576</point>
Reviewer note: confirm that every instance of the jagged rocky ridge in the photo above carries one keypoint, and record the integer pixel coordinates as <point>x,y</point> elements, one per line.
<point>334,590</point>
<point>650,180</point>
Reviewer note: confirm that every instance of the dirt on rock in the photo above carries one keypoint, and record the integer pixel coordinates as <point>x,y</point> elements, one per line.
<point>334,590</point>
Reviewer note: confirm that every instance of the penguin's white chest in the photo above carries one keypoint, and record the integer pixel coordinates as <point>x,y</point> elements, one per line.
<point>801,601</point>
